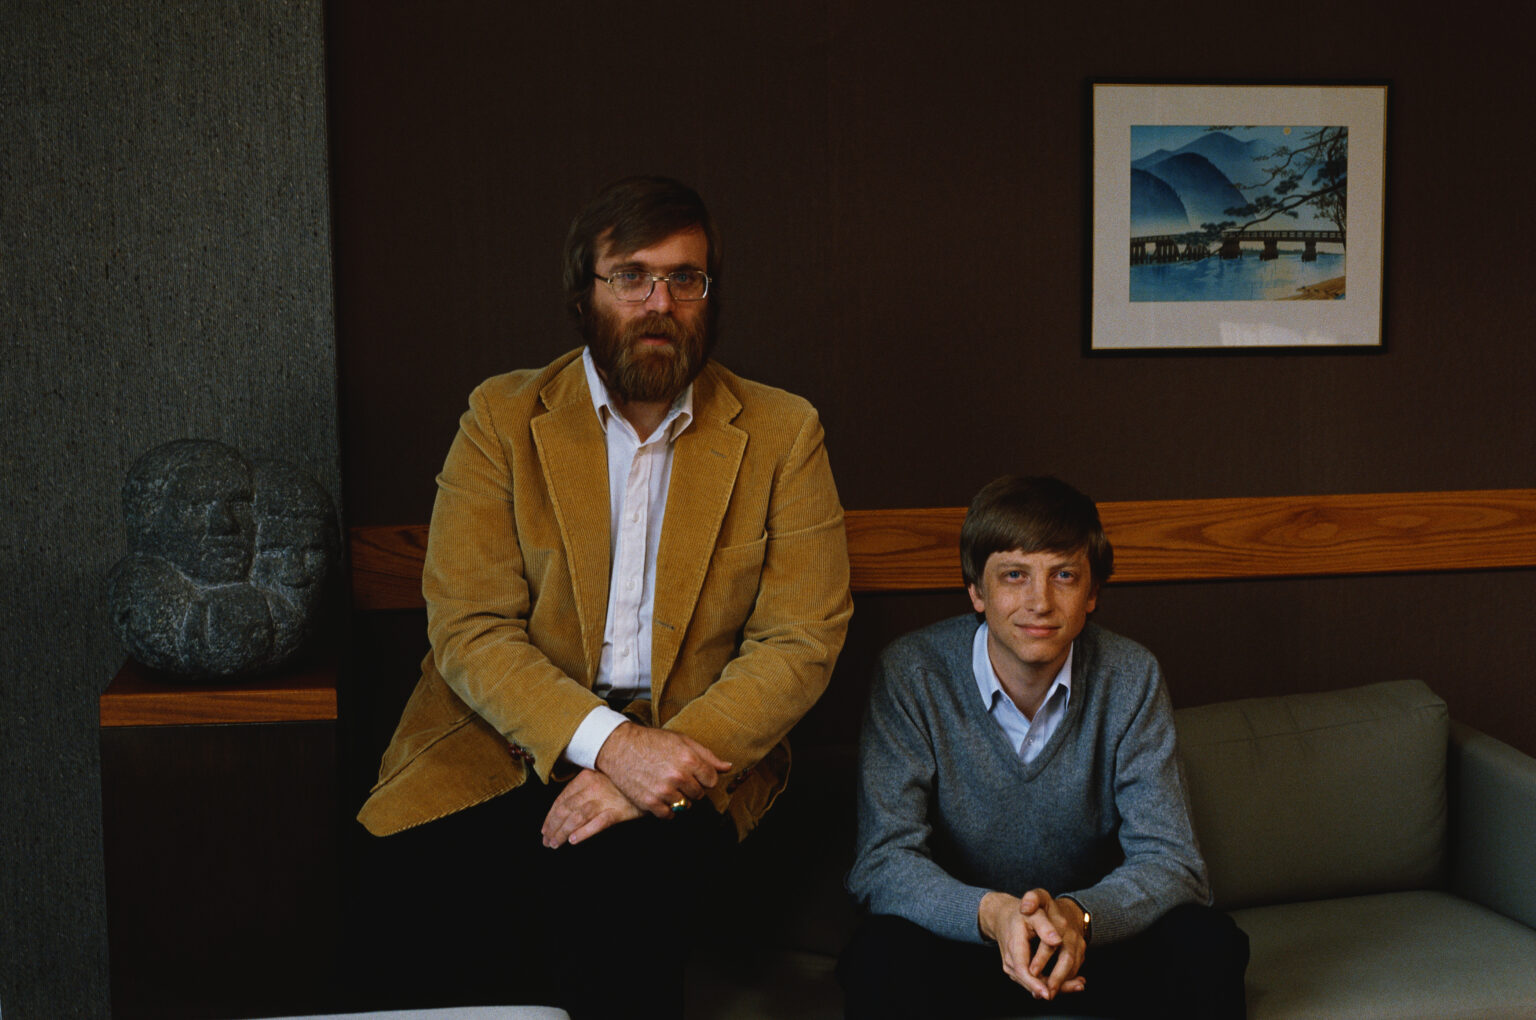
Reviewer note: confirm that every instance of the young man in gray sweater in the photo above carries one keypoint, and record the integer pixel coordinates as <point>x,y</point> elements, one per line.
<point>1025,841</point>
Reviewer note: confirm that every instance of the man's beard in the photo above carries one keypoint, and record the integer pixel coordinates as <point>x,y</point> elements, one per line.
<point>649,373</point>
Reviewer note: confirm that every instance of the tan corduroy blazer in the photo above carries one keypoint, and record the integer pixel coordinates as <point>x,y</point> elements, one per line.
<point>751,606</point>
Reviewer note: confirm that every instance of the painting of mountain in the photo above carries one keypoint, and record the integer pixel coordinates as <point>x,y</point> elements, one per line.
<point>1237,161</point>
<point>1204,192</point>
<point>1237,213</point>
<point>1212,170</point>
<point>1155,206</point>
<point>1225,216</point>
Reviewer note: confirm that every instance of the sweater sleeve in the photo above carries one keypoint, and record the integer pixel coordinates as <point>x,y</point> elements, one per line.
<point>894,871</point>
<point>1162,867</point>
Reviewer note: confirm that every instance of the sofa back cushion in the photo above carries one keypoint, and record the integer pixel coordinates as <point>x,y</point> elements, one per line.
<point>1310,796</point>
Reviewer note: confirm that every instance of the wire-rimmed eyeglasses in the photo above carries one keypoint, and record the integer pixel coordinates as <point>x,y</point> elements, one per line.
<point>637,285</point>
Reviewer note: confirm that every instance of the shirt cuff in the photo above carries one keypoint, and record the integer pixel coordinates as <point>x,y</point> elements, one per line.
<point>591,735</point>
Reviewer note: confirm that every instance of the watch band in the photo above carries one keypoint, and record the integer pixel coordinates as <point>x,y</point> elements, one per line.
<point>1087,917</point>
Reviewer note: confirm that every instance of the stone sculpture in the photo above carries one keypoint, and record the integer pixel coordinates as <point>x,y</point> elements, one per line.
<point>228,561</point>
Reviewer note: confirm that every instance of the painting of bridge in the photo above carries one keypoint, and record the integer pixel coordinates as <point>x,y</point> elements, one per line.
<point>1274,195</point>
<point>1156,248</point>
<point>1235,216</point>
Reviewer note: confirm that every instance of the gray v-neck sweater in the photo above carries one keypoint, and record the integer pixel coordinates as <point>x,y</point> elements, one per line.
<point>948,812</point>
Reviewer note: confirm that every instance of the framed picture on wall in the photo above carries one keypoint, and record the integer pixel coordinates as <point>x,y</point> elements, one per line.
<point>1236,217</point>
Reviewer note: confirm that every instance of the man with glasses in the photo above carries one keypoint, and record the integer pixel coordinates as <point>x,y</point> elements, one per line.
<point>636,583</point>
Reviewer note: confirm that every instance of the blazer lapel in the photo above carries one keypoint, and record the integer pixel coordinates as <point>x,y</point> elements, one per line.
<point>574,459</point>
<point>705,461</point>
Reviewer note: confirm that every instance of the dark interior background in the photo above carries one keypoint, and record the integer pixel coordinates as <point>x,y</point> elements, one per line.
<point>902,190</point>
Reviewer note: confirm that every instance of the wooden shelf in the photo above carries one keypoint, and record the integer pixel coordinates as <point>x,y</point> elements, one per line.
<point>140,696</point>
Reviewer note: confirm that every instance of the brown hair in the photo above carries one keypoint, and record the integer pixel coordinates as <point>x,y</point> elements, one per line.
<point>627,215</point>
<point>1033,514</point>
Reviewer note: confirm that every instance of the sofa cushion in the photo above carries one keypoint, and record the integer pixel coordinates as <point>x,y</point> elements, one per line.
<point>1396,956</point>
<point>1310,796</point>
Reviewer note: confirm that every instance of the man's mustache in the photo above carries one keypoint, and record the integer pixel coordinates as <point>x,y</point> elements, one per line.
<point>654,324</point>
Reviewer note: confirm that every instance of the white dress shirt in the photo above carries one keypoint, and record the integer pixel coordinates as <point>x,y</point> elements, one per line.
<point>639,472</point>
<point>1026,736</point>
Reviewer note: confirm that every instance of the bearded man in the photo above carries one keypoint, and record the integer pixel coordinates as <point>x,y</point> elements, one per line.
<point>636,582</point>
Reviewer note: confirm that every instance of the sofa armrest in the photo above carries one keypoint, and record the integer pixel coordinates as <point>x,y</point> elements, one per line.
<point>1493,823</point>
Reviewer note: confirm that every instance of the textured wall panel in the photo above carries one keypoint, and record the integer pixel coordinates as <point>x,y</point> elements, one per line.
<point>164,272</point>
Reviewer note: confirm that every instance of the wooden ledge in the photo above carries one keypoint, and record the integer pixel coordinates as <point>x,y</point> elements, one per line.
<point>1155,540</point>
<point>140,696</point>
<point>1230,539</point>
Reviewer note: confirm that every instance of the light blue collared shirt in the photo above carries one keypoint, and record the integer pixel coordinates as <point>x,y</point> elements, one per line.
<point>1026,736</point>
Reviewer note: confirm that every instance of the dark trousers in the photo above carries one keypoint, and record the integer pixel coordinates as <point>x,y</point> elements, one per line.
<point>1189,964</point>
<point>476,910</point>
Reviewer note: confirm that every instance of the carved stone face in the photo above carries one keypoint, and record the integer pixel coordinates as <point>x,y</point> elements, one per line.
<point>203,521</point>
<point>291,553</point>
<point>296,536</point>
<point>228,560</point>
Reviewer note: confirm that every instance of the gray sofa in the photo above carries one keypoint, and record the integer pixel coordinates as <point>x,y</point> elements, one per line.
<point>1381,858</point>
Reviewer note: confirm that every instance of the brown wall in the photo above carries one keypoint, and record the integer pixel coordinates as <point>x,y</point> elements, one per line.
<point>901,188</point>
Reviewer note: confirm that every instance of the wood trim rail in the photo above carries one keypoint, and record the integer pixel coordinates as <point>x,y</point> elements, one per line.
<point>917,550</point>
<point>1155,540</point>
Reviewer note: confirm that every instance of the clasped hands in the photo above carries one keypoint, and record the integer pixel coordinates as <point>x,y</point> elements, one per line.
<point>640,770</point>
<point>1029,932</point>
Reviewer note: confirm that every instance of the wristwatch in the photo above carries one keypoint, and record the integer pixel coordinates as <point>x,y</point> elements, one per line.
<point>1087,917</point>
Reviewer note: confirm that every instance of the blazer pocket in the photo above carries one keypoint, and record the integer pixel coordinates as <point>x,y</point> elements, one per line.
<point>730,587</point>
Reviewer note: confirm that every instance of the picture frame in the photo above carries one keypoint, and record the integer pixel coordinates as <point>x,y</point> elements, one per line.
<point>1236,217</point>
